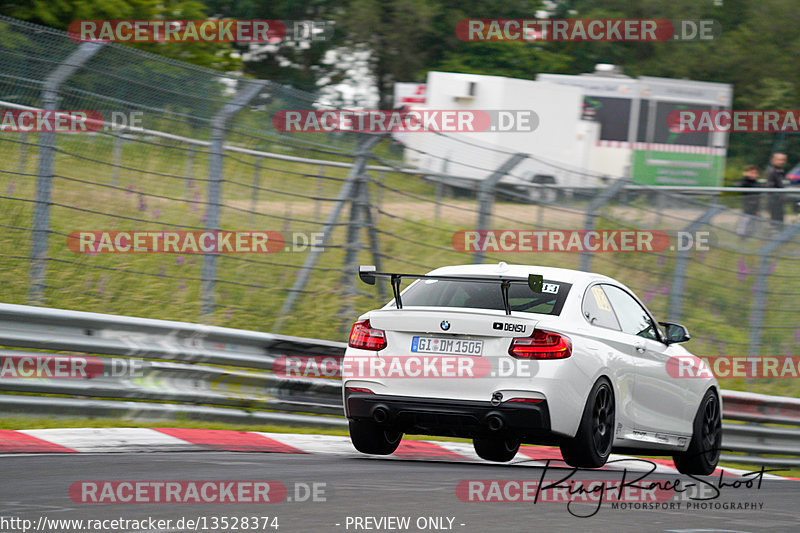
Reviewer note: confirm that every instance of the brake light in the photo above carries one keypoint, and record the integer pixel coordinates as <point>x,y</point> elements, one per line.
<point>366,337</point>
<point>525,400</point>
<point>359,389</point>
<point>541,345</point>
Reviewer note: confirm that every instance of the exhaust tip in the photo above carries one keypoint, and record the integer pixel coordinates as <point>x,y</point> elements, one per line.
<point>380,414</point>
<point>494,422</point>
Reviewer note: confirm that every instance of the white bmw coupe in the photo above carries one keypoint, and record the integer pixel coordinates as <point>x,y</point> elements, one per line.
<point>510,354</point>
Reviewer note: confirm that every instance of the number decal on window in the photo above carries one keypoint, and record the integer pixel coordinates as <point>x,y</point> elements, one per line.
<point>600,298</point>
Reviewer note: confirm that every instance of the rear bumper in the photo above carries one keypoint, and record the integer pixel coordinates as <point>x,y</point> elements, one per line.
<point>458,418</point>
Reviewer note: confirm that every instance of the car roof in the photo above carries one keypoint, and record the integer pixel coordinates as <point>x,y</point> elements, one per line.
<point>521,271</point>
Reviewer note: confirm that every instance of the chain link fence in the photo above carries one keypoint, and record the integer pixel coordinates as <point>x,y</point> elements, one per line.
<point>198,151</point>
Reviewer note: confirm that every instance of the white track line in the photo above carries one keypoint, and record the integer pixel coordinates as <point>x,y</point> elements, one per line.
<point>112,440</point>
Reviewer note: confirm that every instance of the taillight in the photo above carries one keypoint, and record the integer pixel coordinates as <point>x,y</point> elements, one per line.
<point>525,400</point>
<point>360,389</point>
<point>541,345</point>
<point>366,337</point>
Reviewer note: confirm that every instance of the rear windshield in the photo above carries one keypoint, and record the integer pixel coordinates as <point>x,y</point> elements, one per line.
<point>476,295</point>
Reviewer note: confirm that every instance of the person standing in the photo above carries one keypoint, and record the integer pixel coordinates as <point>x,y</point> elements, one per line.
<point>751,202</point>
<point>776,174</point>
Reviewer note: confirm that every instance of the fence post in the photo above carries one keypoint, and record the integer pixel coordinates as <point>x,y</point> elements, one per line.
<point>215,156</point>
<point>591,215</point>
<point>352,246</point>
<point>116,157</point>
<point>486,198</point>
<point>346,193</point>
<point>760,288</point>
<point>440,190</point>
<point>379,193</point>
<point>44,179</point>
<point>256,185</point>
<point>360,218</point>
<point>681,263</point>
<point>319,191</point>
<point>23,154</point>
<point>372,234</point>
<point>189,172</point>
<point>352,243</point>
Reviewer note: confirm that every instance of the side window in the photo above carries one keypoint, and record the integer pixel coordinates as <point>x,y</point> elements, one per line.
<point>632,316</point>
<point>597,309</point>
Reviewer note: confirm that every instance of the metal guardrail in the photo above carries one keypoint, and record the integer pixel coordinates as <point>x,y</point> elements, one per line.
<point>222,374</point>
<point>181,370</point>
<point>748,433</point>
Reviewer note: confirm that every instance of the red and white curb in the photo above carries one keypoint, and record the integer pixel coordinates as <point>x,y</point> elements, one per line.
<point>127,440</point>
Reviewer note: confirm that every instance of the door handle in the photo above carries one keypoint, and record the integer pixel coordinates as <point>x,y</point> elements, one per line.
<point>639,347</point>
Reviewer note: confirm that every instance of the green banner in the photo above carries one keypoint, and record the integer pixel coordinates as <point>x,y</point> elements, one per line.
<point>651,167</point>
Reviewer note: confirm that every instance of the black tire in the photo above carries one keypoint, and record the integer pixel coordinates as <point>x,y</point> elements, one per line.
<point>498,449</point>
<point>369,437</point>
<point>591,445</point>
<point>702,455</point>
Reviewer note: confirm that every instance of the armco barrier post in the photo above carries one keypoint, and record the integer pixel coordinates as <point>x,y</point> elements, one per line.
<point>486,197</point>
<point>676,292</point>
<point>591,215</point>
<point>218,127</point>
<point>44,179</point>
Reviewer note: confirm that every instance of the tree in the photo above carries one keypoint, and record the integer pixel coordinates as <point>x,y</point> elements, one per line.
<point>299,63</point>
<point>59,13</point>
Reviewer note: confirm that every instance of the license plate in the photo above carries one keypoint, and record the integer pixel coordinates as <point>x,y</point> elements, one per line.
<point>446,346</point>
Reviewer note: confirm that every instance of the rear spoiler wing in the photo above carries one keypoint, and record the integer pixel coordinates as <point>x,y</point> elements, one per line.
<point>368,274</point>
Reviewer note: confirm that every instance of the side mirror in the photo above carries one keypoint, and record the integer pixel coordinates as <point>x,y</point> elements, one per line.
<point>676,333</point>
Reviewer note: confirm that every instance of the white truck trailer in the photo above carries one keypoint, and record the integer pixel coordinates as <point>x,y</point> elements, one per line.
<point>591,128</point>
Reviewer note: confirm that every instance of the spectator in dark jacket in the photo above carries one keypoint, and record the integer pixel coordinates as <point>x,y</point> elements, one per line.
<point>751,202</point>
<point>776,174</point>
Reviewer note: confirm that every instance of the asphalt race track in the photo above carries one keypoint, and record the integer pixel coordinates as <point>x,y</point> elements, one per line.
<point>37,485</point>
